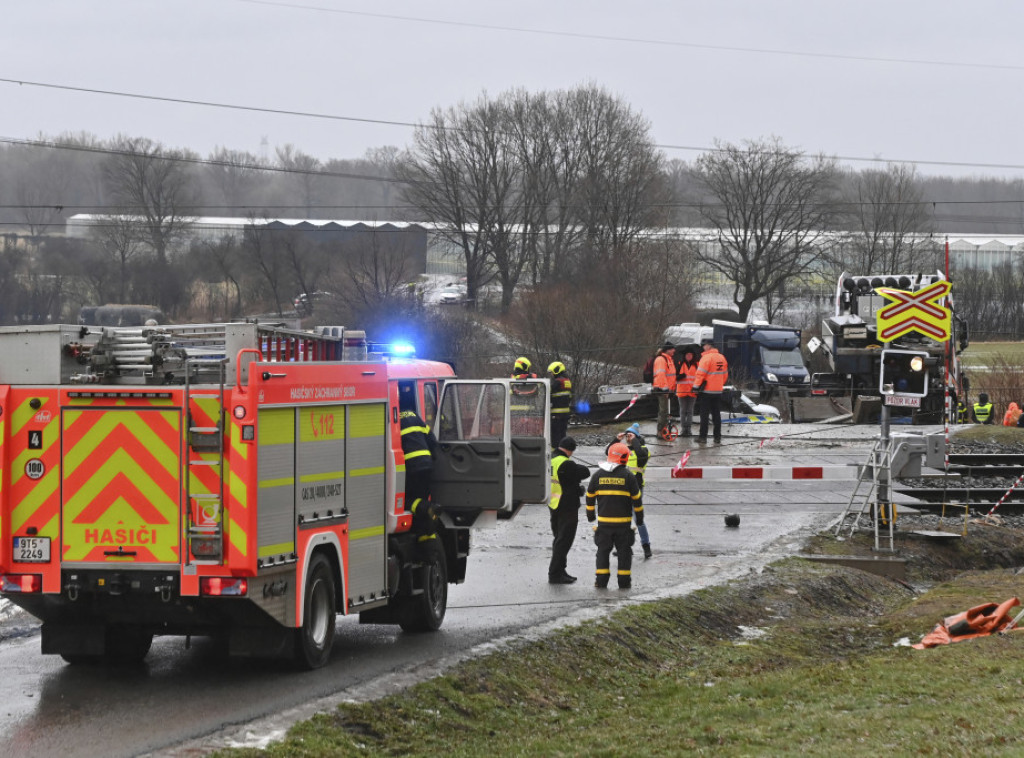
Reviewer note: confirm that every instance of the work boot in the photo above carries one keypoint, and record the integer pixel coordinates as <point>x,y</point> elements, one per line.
<point>701,440</point>
<point>647,551</point>
<point>600,586</point>
<point>685,433</point>
<point>625,585</point>
<point>718,440</point>
<point>567,575</point>
<point>564,579</point>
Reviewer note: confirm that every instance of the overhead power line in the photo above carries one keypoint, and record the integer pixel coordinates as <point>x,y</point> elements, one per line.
<point>409,124</point>
<point>642,40</point>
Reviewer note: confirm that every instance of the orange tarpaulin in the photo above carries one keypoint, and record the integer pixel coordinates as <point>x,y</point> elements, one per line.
<point>980,621</point>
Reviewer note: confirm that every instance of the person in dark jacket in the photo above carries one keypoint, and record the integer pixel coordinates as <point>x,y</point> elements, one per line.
<point>561,401</point>
<point>613,501</point>
<point>419,446</point>
<point>566,477</point>
<point>639,455</point>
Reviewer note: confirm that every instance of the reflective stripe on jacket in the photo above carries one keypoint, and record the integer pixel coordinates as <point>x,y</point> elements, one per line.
<point>556,486</point>
<point>664,372</point>
<point>982,412</point>
<point>712,371</point>
<point>685,380</point>
<point>615,495</point>
<point>561,397</point>
<point>415,443</point>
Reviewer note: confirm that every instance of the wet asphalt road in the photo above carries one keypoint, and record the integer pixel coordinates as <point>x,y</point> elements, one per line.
<point>187,701</point>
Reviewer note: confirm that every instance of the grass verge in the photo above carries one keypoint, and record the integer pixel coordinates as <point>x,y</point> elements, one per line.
<point>797,659</point>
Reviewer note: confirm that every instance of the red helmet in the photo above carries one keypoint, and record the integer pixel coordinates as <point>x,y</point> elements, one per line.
<point>618,453</point>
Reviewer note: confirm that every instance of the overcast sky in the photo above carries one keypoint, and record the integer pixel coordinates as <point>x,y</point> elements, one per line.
<point>905,80</point>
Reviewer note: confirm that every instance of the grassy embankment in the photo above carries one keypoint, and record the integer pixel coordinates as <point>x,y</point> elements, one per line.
<point>799,659</point>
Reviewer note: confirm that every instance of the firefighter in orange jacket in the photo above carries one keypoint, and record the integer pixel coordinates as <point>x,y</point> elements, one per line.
<point>613,500</point>
<point>664,383</point>
<point>709,381</point>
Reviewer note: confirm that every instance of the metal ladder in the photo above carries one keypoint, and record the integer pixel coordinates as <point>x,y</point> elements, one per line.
<point>205,511</point>
<point>876,503</point>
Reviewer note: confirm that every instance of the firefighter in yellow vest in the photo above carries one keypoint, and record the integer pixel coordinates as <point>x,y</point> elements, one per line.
<point>613,500</point>
<point>561,401</point>
<point>418,445</point>
<point>566,477</point>
<point>982,410</point>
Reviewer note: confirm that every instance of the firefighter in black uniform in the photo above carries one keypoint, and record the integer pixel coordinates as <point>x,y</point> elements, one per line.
<point>613,499</point>
<point>527,415</point>
<point>566,477</point>
<point>561,401</point>
<point>418,445</point>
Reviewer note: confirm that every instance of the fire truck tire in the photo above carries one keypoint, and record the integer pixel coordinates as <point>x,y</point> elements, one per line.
<point>315,638</point>
<point>127,644</point>
<point>425,611</point>
<point>123,645</point>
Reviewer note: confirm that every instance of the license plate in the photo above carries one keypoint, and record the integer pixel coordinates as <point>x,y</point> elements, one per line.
<point>903,401</point>
<point>31,549</point>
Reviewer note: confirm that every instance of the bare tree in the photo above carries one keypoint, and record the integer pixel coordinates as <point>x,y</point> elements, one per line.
<point>150,183</point>
<point>261,253</point>
<point>889,222</point>
<point>304,170</point>
<point>460,174</point>
<point>41,183</point>
<point>769,205</point>
<point>117,238</point>
<point>373,269</point>
<point>234,173</point>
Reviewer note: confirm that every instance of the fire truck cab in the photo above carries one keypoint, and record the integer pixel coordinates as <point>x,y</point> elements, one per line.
<point>241,481</point>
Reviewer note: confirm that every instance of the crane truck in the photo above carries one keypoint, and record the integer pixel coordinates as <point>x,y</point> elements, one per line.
<point>241,481</point>
<point>852,346</point>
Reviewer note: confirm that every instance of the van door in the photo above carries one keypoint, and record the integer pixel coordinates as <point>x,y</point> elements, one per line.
<point>493,445</point>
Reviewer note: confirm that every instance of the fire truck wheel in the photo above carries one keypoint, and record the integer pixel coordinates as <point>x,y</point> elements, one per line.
<point>315,638</point>
<point>426,610</point>
<point>127,644</point>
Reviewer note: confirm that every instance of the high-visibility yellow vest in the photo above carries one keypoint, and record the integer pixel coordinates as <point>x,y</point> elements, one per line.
<point>556,488</point>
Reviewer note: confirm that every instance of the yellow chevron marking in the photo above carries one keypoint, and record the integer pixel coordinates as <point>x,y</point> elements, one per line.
<point>25,413</point>
<point>120,515</point>
<point>237,537</point>
<point>44,489</point>
<point>122,462</point>
<point>134,426</point>
<point>238,489</point>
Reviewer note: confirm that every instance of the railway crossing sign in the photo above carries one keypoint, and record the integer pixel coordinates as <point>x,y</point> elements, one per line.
<point>917,311</point>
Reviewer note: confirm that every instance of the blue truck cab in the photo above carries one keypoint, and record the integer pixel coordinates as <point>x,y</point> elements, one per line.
<point>762,356</point>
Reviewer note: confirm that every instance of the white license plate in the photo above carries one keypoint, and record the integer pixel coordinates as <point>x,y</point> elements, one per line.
<point>903,401</point>
<point>31,549</point>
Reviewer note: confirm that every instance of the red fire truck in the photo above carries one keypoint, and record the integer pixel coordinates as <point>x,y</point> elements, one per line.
<point>240,481</point>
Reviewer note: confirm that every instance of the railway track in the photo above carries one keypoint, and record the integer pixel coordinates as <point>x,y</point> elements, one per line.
<point>975,480</point>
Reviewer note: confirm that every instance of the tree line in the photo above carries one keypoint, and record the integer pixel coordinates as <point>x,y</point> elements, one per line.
<point>562,200</point>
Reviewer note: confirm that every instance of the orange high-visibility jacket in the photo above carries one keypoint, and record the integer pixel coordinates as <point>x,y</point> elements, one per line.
<point>685,380</point>
<point>712,371</point>
<point>664,372</point>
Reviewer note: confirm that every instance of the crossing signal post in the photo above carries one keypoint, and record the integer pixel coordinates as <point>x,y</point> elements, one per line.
<point>903,374</point>
<point>902,381</point>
